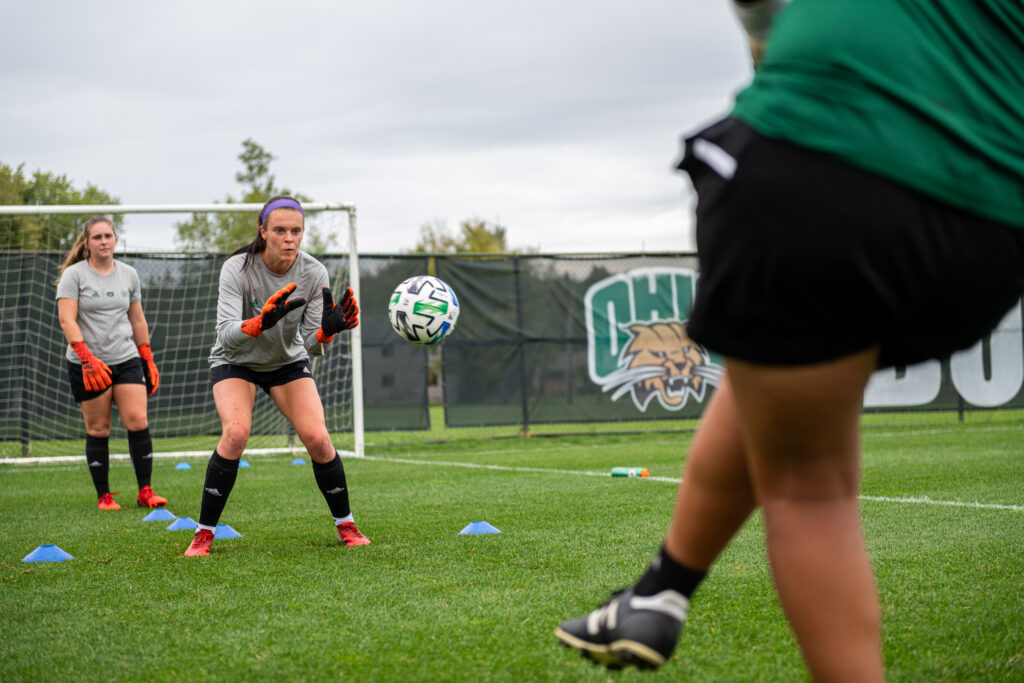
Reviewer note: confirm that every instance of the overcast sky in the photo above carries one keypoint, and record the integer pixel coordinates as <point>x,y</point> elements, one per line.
<point>560,119</point>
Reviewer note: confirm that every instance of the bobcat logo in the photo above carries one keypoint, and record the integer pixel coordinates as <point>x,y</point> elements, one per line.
<point>662,361</point>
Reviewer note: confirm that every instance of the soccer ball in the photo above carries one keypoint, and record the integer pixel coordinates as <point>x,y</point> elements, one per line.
<point>423,310</point>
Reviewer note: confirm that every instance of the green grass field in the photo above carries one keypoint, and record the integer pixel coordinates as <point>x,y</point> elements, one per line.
<point>943,511</point>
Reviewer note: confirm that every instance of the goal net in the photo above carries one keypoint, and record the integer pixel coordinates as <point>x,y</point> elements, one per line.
<point>39,418</point>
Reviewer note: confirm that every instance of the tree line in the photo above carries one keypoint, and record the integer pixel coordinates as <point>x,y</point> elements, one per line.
<point>204,232</point>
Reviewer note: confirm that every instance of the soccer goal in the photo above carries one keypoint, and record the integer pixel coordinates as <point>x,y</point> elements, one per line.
<point>38,417</point>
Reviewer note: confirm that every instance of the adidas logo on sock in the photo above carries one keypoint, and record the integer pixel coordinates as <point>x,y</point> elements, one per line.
<point>147,456</point>
<point>95,463</point>
<point>214,492</point>
<point>338,489</point>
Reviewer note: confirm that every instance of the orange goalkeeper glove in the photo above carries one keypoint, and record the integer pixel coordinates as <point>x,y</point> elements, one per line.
<point>95,373</point>
<point>277,307</point>
<point>337,317</point>
<point>152,376</point>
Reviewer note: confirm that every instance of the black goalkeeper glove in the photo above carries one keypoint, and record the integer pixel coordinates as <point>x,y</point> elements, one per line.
<point>277,307</point>
<point>337,317</point>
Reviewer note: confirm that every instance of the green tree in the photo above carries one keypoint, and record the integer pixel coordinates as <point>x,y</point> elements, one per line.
<point>225,232</point>
<point>474,236</point>
<point>45,231</point>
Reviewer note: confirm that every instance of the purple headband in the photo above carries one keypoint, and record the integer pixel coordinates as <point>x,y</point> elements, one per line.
<point>284,203</point>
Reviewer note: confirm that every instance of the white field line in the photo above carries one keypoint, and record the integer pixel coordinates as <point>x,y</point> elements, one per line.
<point>925,500</point>
<point>921,500</point>
<point>509,468</point>
<point>866,431</point>
<point>175,454</point>
<point>917,500</point>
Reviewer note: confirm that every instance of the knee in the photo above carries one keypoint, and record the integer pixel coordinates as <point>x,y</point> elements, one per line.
<point>235,437</point>
<point>100,430</point>
<point>135,420</point>
<point>809,488</point>
<point>318,445</point>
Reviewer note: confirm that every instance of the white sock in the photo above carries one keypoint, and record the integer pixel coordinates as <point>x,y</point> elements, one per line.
<point>342,520</point>
<point>211,529</point>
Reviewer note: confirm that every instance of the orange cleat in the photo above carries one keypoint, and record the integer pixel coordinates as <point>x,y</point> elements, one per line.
<point>149,499</point>
<point>350,535</point>
<point>201,543</point>
<point>107,502</point>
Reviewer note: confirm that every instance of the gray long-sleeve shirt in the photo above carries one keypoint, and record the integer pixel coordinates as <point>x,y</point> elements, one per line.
<point>242,295</point>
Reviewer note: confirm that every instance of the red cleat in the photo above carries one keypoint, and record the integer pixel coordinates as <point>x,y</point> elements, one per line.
<point>106,502</point>
<point>350,535</point>
<point>200,543</point>
<point>148,499</point>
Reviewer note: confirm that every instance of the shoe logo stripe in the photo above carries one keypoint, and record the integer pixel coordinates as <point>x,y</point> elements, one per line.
<point>667,602</point>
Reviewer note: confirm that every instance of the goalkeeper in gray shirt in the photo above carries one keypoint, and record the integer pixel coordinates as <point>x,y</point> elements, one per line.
<point>265,339</point>
<point>109,360</point>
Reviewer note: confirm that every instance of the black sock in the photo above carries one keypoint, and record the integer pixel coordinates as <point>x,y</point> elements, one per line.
<point>97,457</point>
<point>140,447</point>
<point>330,477</point>
<point>220,479</point>
<point>665,572</point>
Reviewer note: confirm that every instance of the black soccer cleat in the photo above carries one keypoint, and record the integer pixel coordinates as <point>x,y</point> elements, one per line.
<point>629,629</point>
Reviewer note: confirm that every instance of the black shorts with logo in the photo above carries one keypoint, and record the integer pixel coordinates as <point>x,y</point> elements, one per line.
<point>264,380</point>
<point>128,372</point>
<point>804,258</point>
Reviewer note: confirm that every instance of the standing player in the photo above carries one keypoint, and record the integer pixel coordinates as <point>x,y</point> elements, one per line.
<point>861,208</point>
<point>99,305</point>
<point>268,345</point>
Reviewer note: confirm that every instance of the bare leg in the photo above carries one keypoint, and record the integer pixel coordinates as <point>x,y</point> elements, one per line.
<point>97,413</point>
<point>801,428</point>
<point>715,497</point>
<point>131,405</point>
<point>234,399</point>
<point>299,401</point>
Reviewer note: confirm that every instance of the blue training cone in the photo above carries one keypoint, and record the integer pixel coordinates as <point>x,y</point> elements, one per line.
<point>243,463</point>
<point>479,528</point>
<point>183,466</point>
<point>182,523</point>
<point>158,515</point>
<point>47,553</point>
<point>298,461</point>
<point>224,531</point>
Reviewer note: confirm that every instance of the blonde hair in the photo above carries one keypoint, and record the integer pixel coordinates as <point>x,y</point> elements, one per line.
<point>80,249</point>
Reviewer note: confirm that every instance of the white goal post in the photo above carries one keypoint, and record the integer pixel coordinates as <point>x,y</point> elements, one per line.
<point>37,415</point>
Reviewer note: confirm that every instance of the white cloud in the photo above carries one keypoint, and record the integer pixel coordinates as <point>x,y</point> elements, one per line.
<point>560,120</point>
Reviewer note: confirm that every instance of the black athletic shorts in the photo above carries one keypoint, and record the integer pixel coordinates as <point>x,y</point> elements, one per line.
<point>264,380</point>
<point>128,372</point>
<point>804,258</point>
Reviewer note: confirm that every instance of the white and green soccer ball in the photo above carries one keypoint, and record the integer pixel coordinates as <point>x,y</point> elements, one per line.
<point>423,309</point>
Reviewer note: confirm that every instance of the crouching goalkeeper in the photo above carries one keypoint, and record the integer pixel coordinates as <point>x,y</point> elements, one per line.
<point>274,311</point>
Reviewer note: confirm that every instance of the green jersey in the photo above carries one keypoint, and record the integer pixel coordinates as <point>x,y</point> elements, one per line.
<point>927,93</point>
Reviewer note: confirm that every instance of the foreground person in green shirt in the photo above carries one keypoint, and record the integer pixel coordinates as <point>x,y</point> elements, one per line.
<point>862,208</point>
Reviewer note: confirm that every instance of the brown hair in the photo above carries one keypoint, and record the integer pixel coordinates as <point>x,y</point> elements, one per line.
<point>258,244</point>
<point>80,249</point>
